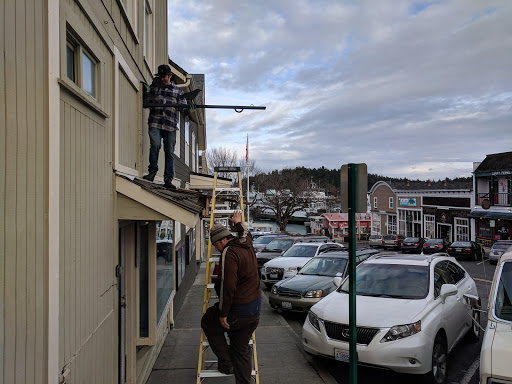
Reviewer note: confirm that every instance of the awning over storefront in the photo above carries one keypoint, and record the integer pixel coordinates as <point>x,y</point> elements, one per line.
<point>490,215</point>
<point>142,200</point>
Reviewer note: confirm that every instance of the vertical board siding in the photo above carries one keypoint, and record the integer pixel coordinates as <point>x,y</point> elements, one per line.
<point>23,229</point>
<point>88,329</point>
<point>128,124</point>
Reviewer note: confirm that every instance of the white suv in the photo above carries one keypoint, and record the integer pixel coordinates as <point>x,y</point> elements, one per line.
<point>410,315</point>
<point>293,260</point>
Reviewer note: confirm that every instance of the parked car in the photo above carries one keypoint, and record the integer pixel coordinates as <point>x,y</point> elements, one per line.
<point>498,249</point>
<point>314,281</point>
<point>375,241</point>
<point>293,259</point>
<point>262,241</point>
<point>435,245</point>
<point>392,241</point>
<point>496,353</point>
<point>410,315</point>
<point>466,249</point>
<point>412,244</point>
<point>280,244</point>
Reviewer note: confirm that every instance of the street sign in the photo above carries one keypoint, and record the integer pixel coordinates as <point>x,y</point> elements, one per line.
<point>492,223</point>
<point>361,187</point>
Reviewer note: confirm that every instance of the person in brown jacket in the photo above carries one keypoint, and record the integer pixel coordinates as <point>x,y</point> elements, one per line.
<point>238,309</point>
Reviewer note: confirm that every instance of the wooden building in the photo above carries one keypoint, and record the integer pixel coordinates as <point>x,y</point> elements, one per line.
<point>84,295</point>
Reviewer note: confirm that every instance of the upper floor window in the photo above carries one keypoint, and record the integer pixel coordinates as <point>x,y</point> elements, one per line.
<point>130,9</point>
<point>375,203</point>
<point>391,202</point>
<point>81,66</point>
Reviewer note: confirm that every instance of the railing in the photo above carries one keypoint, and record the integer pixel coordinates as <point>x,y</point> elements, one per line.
<point>502,199</point>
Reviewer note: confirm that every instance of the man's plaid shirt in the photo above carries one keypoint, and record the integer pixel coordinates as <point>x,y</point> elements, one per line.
<point>159,93</point>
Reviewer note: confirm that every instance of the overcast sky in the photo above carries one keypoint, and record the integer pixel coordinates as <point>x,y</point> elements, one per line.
<point>413,89</point>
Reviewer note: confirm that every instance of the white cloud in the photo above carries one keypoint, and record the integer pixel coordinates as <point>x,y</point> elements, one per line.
<point>413,89</point>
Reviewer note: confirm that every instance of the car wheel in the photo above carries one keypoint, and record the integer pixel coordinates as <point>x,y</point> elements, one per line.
<point>474,332</point>
<point>439,362</point>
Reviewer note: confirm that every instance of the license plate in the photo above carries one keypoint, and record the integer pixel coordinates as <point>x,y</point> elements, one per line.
<point>341,355</point>
<point>458,250</point>
<point>286,305</point>
<point>273,275</point>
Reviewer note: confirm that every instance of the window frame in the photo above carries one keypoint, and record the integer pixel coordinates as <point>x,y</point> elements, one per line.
<point>187,142</point>
<point>149,46</point>
<point>390,202</point>
<point>375,202</point>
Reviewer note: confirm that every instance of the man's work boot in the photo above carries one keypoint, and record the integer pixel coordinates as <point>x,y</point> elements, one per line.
<point>168,183</point>
<point>150,176</point>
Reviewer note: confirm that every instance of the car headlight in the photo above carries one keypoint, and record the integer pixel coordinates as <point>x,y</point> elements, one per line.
<point>317,293</point>
<point>400,331</point>
<point>291,269</point>
<point>274,290</point>
<point>314,320</point>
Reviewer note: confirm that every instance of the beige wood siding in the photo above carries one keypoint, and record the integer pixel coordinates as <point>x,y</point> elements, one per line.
<point>87,323</point>
<point>128,123</point>
<point>23,192</point>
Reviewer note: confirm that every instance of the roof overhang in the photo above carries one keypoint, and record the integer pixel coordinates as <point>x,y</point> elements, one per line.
<point>137,203</point>
<point>490,215</point>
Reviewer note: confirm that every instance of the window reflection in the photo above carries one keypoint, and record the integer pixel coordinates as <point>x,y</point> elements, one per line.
<point>164,265</point>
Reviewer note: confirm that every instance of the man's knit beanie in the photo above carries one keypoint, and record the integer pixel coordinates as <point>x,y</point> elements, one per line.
<point>218,232</point>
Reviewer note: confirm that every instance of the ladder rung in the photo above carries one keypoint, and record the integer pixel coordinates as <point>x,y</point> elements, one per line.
<point>232,189</point>
<point>224,211</point>
<point>205,343</point>
<point>210,286</point>
<point>214,259</point>
<point>215,373</point>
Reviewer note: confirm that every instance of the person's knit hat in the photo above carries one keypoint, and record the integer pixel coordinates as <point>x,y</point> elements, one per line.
<point>218,232</point>
<point>163,70</point>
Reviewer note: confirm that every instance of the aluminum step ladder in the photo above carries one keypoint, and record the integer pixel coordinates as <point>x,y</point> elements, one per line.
<point>208,368</point>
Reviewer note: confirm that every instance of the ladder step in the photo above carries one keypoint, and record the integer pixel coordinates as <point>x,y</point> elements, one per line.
<point>232,189</point>
<point>210,286</point>
<point>214,259</point>
<point>224,211</point>
<point>215,373</point>
<point>205,343</point>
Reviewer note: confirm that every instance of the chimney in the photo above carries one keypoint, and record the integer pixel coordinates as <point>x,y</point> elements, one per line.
<point>429,183</point>
<point>408,183</point>
<point>445,182</point>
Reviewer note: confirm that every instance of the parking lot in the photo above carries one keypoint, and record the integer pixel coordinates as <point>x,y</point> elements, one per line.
<point>463,361</point>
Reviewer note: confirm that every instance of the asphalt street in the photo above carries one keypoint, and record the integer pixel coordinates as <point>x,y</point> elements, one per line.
<point>463,361</point>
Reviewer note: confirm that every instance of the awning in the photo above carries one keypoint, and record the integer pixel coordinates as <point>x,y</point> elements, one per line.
<point>490,215</point>
<point>142,200</point>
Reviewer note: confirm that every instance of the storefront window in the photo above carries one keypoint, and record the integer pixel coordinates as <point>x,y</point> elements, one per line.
<point>164,265</point>
<point>484,229</point>
<point>142,235</point>
<point>391,225</point>
<point>461,229</point>
<point>430,227</point>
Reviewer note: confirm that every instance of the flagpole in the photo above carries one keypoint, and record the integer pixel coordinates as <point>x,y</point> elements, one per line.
<point>247,168</point>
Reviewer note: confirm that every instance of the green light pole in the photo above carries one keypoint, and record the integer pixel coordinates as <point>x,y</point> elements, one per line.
<point>352,204</point>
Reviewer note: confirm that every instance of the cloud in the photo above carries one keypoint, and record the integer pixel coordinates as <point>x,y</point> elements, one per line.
<point>413,89</point>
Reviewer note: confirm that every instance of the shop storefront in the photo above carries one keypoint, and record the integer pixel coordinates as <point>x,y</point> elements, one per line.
<point>447,218</point>
<point>492,226</point>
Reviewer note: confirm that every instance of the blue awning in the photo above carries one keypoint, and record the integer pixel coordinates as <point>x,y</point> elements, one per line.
<point>490,215</point>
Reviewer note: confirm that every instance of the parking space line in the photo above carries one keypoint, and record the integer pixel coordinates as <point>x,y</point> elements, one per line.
<point>470,372</point>
<point>484,280</point>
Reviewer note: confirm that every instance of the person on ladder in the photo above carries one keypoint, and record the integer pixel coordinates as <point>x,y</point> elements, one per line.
<point>163,122</point>
<point>238,310</point>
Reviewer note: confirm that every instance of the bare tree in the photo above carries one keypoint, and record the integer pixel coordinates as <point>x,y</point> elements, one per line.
<point>221,157</point>
<point>284,193</point>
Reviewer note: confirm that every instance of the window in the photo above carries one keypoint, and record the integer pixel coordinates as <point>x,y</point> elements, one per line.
<point>194,153</point>
<point>484,229</point>
<point>81,66</point>
<point>164,265</point>
<point>149,34</point>
<point>130,10</point>
<point>375,203</point>
<point>461,229</point>
<point>391,202</point>
<point>503,296</point>
<point>143,257</point>
<point>392,224</point>
<point>430,227</point>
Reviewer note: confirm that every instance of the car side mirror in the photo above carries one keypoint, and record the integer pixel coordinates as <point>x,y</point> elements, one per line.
<point>337,281</point>
<point>473,301</point>
<point>448,290</point>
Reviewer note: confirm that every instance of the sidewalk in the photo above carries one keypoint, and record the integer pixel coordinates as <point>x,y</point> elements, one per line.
<point>281,358</point>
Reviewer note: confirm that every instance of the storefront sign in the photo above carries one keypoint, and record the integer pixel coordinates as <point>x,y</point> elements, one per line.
<point>486,204</point>
<point>408,202</point>
<point>498,173</point>
<point>492,223</point>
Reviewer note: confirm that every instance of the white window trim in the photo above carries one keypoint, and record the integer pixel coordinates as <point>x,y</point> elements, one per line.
<point>120,64</point>
<point>429,219</point>
<point>390,202</point>
<point>130,17</point>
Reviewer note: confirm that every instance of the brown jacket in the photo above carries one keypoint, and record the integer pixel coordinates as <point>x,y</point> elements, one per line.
<point>238,282</point>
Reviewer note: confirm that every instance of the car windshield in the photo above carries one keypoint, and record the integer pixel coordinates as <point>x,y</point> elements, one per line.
<point>434,241</point>
<point>503,299</point>
<point>301,251</point>
<point>391,280</point>
<point>264,240</point>
<point>461,244</point>
<point>389,237</point>
<point>375,237</point>
<point>501,246</point>
<point>279,245</point>
<point>325,266</point>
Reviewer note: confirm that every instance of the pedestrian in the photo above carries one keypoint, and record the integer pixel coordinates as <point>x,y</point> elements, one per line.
<point>238,310</point>
<point>163,122</point>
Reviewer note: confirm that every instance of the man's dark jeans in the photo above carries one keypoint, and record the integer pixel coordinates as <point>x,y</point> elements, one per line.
<point>238,354</point>
<point>155,139</point>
